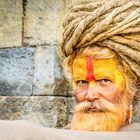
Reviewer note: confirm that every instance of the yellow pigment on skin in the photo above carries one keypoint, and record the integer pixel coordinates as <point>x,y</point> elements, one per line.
<point>102,69</point>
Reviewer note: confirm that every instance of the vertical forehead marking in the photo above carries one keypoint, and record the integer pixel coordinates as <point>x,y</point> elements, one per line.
<point>90,70</point>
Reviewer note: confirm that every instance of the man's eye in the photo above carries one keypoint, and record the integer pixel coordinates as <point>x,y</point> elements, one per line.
<point>81,82</point>
<point>104,82</point>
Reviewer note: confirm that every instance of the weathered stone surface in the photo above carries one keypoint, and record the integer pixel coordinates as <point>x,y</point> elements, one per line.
<point>48,77</point>
<point>16,71</point>
<point>71,104</point>
<point>10,23</point>
<point>44,110</point>
<point>136,117</point>
<point>43,24</point>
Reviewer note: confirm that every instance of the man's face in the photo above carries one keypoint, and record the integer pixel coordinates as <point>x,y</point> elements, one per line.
<point>98,86</point>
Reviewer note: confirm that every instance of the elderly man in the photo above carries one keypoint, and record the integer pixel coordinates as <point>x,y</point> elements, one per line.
<point>101,42</point>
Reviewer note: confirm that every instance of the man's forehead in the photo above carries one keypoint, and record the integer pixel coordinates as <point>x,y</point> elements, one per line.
<point>88,68</point>
<point>102,69</point>
<point>82,61</point>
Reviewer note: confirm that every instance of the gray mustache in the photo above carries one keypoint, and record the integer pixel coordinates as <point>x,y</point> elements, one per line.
<point>98,105</point>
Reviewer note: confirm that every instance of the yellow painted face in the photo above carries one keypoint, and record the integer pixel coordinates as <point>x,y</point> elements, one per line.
<point>92,70</point>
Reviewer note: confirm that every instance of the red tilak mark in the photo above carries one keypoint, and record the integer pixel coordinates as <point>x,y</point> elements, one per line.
<point>90,76</point>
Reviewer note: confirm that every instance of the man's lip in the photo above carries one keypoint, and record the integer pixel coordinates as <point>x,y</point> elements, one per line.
<point>94,109</point>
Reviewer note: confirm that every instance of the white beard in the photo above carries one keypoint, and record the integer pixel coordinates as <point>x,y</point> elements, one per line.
<point>105,120</point>
<point>98,121</point>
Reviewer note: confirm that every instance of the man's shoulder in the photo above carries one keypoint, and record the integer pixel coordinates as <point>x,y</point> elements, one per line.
<point>131,127</point>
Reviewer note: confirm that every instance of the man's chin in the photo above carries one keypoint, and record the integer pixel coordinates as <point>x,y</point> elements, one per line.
<point>97,120</point>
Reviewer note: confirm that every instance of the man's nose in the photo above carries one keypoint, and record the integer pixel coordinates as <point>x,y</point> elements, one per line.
<point>92,93</point>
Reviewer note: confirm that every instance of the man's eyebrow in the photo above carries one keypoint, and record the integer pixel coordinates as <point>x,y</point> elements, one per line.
<point>79,78</point>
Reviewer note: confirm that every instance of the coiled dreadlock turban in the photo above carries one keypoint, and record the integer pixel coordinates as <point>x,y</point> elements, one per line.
<point>109,23</point>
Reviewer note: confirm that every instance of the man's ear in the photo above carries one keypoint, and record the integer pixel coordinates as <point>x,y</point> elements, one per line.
<point>130,114</point>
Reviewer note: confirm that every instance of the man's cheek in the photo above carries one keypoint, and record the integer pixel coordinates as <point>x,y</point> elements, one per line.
<point>117,98</point>
<point>80,95</point>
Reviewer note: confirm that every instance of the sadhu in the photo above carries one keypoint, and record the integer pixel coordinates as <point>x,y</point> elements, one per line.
<point>101,42</point>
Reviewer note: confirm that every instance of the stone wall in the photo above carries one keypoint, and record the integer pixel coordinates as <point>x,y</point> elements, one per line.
<point>32,82</point>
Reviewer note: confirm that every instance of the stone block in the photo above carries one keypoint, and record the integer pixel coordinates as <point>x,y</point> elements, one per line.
<point>45,110</point>
<point>16,71</point>
<point>43,24</point>
<point>11,13</point>
<point>48,76</point>
<point>71,104</point>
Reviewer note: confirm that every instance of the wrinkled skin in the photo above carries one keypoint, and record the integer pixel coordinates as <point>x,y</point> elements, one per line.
<point>98,86</point>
